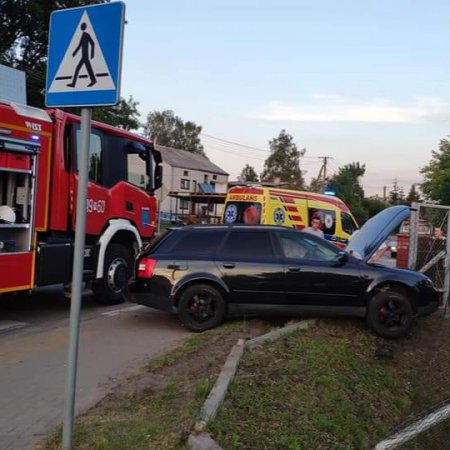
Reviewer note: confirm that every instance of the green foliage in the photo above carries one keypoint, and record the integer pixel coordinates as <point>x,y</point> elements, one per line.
<point>248,174</point>
<point>397,194</point>
<point>165,128</point>
<point>436,185</point>
<point>283,164</point>
<point>373,206</point>
<point>413,195</point>
<point>348,188</point>
<point>24,38</point>
<point>123,115</point>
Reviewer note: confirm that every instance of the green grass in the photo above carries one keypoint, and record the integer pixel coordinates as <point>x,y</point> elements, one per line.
<point>312,391</point>
<point>317,389</point>
<point>192,344</point>
<point>158,417</point>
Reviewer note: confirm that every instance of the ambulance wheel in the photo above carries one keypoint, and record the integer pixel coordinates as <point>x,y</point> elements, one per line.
<point>118,268</point>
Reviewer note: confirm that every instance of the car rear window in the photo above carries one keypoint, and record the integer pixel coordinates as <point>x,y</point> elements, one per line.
<point>198,242</point>
<point>248,245</point>
<point>158,242</point>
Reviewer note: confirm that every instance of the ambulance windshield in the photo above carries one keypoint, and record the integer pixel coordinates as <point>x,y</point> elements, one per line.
<point>248,213</point>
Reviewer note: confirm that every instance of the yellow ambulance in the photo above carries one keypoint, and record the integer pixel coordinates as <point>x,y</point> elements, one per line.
<point>274,206</point>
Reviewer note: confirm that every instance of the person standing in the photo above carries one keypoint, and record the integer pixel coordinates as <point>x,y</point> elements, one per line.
<point>86,43</point>
<point>316,223</point>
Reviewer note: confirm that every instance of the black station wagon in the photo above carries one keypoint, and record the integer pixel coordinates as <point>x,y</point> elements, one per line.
<point>206,273</point>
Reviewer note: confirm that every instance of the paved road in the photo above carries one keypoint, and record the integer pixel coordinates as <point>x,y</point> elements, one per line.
<point>114,341</point>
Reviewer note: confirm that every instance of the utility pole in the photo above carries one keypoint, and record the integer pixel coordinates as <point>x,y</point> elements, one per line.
<point>384,192</point>
<point>323,170</point>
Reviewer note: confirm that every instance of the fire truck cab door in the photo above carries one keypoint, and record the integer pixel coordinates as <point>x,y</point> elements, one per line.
<point>97,203</point>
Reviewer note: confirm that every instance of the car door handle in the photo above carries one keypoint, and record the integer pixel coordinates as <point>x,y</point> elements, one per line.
<point>229,265</point>
<point>294,269</point>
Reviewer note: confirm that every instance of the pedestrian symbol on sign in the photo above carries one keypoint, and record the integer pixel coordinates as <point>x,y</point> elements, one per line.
<point>85,42</point>
<point>83,67</point>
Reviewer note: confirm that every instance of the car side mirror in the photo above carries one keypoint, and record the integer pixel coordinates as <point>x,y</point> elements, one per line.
<point>341,258</point>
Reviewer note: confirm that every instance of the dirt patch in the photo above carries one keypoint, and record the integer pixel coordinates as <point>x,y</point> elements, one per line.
<point>188,361</point>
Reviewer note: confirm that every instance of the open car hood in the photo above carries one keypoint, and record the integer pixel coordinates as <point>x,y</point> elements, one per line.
<point>376,230</point>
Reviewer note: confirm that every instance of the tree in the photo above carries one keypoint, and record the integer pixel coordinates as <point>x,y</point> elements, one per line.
<point>283,163</point>
<point>373,206</point>
<point>248,174</point>
<point>123,115</point>
<point>413,195</point>
<point>346,184</point>
<point>24,38</point>
<point>436,185</point>
<point>397,194</point>
<point>170,130</point>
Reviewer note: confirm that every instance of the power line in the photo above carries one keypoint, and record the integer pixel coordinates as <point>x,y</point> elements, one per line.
<point>246,146</point>
<point>234,143</point>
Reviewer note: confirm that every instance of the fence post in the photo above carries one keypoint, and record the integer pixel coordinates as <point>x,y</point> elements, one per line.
<point>413,235</point>
<point>445,298</point>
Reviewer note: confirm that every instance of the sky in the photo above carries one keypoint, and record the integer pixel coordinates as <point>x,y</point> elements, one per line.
<point>364,81</point>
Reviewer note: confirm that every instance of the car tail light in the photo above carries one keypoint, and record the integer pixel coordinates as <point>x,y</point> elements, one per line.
<point>146,266</point>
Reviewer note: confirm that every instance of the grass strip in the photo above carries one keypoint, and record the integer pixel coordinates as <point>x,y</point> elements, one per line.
<point>316,389</point>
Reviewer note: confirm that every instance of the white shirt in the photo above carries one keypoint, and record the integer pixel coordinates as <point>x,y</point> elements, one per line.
<point>311,230</point>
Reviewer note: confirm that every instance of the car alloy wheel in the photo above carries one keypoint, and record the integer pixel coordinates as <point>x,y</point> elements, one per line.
<point>201,307</point>
<point>390,313</point>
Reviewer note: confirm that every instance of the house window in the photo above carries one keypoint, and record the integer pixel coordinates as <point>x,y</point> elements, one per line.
<point>185,184</point>
<point>214,177</point>
<point>205,178</point>
<point>184,204</point>
<point>213,185</point>
<point>186,173</point>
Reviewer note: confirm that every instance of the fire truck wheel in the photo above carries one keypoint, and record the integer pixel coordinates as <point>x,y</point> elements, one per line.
<point>117,271</point>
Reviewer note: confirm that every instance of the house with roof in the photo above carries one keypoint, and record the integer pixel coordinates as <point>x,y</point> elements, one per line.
<point>191,185</point>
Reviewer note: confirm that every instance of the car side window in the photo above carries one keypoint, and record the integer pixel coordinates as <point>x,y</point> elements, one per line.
<point>299,247</point>
<point>196,243</point>
<point>248,245</point>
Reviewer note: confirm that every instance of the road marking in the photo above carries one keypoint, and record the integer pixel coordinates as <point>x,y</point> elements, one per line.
<point>116,312</point>
<point>8,325</point>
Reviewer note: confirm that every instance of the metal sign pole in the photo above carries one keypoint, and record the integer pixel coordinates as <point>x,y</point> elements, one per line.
<point>77,278</point>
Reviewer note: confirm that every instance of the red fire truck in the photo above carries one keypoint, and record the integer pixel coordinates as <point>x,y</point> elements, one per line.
<point>38,185</point>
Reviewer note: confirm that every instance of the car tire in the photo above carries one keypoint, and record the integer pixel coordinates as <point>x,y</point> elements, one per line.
<point>201,307</point>
<point>117,271</point>
<point>390,314</point>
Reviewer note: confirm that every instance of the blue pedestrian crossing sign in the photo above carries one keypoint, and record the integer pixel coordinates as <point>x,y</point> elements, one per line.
<point>85,56</point>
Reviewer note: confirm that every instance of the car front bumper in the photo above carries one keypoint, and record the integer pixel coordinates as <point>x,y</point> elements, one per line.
<point>428,309</point>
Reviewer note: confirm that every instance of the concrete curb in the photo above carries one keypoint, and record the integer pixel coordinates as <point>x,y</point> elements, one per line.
<point>274,335</point>
<point>218,392</point>
<point>10,325</point>
<point>199,440</point>
<point>202,441</point>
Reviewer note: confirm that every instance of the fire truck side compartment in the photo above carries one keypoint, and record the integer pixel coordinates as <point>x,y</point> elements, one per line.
<point>54,263</point>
